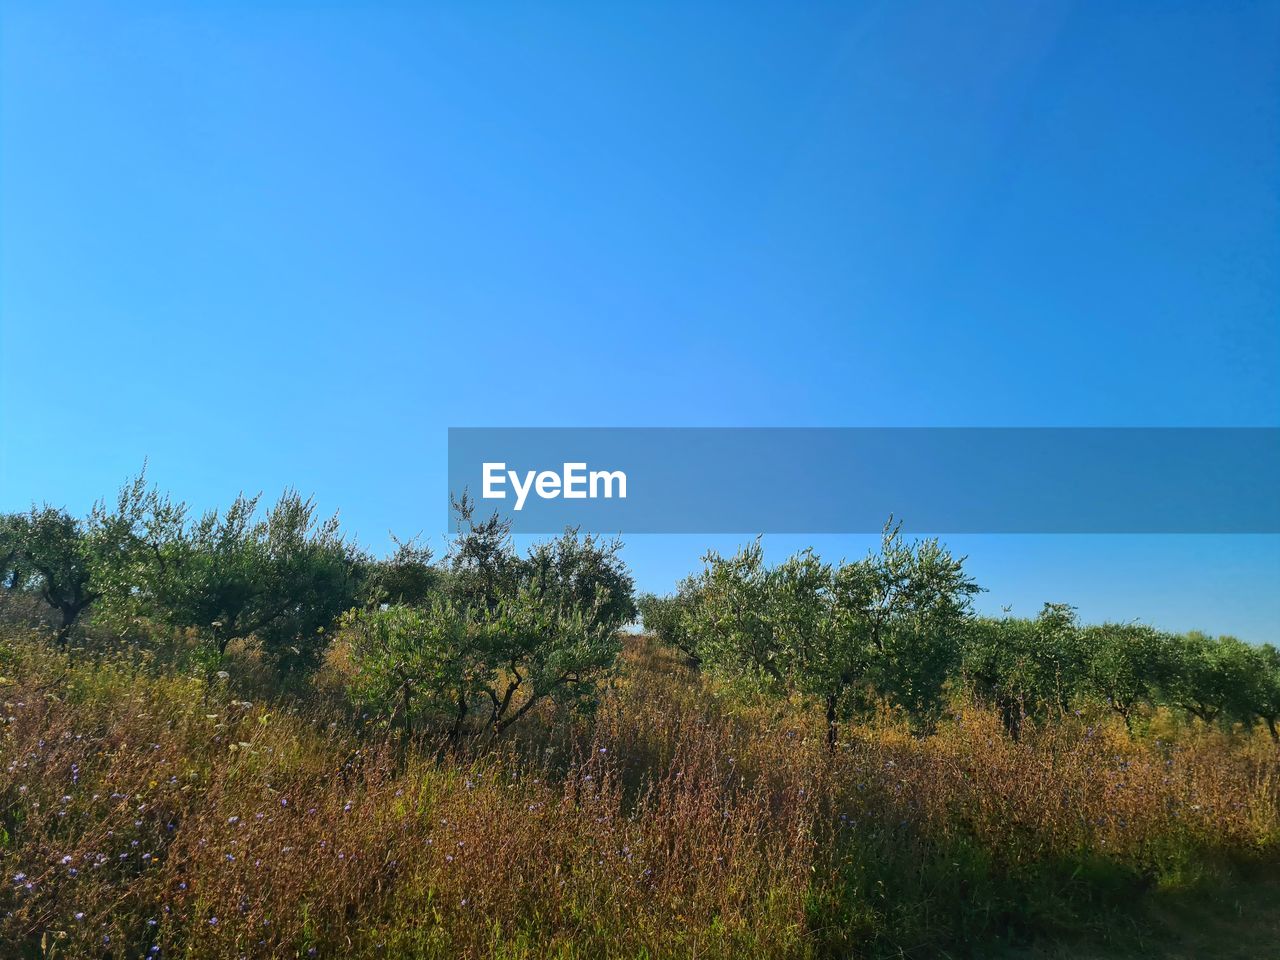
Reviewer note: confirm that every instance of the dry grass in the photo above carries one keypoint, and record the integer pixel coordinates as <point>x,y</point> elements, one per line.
<point>145,815</point>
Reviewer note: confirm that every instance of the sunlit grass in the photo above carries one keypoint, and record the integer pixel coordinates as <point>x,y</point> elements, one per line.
<point>145,813</point>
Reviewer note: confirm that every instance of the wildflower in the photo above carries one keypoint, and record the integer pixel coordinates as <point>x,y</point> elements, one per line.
<point>213,921</point>
<point>79,915</point>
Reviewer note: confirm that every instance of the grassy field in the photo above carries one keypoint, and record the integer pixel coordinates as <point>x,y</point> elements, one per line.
<point>145,813</point>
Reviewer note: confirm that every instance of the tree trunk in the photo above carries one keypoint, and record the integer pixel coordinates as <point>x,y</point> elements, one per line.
<point>1011,718</point>
<point>64,631</point>
<point>70,614</point>
<point>833,728</point>
<point>455,732</point>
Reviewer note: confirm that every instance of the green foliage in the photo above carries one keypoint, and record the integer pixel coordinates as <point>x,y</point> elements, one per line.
<point>482,562</point>
<point>735,622</point>
<point>1026,668</point>
<point>1207,676</point>
<point>533,647</point>
<point>447,664</point>
<point>1259,697</point>
<point>12,534</point>
<point>902,613</point>
<point>69,563</point>
<point>409,661</point>
<point>893,628</point>
<point>883,628</point>
<point>582,573</point>
<point>56,562</point>
<point>1048,666</point>
<point>408,576</point>
<point>511,632</point>
<point>670,618</point>
<point>1123,665</point>
<point>281,580</point>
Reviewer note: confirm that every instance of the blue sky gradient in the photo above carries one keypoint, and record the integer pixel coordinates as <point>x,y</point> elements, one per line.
<point>281,243</point>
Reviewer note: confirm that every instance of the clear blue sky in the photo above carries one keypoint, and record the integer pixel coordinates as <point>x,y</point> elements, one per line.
<point>287,243</point>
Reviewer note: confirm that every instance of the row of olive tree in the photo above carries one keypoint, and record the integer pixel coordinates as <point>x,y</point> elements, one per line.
<point>896,628</point>
<point>483,633</point>
<point>278,577</point>
<point>1046,666</point>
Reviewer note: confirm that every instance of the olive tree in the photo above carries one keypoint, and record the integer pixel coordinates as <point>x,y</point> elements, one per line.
<point>509,634</point>
<point>281,579</point>
<point>56,563</point>
<point>12,528</point>
<point>769,625</point>
<point>1206,676</point>
<point>582,573</point>
<point>1026,668</point>
<point>534,649</point>
<point>670,618</point>
<point>1260,695</point>
<point>407,577</point>
<point>1000,667</point>
<point>1123,665</point>
<point>482,561</point>
<point>479,669</point>
<point>72,563</point>
<point>883,628</point>
<point>900,617</point>
<point>412,662</point>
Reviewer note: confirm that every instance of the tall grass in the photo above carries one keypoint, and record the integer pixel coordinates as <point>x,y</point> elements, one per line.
<point>148,814</point>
